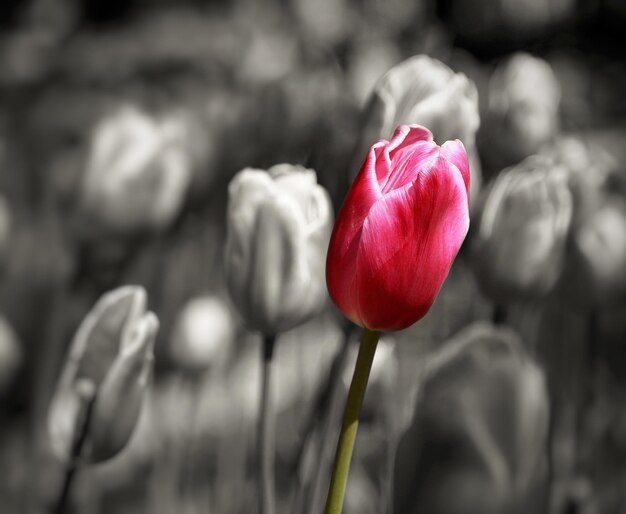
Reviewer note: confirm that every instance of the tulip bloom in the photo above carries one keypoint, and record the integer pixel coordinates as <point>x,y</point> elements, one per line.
<point>109,363</point>
<point>279,223</point>
<point>424,91</point>
<point>595,267</point>
<point>523,110</point>
<point>399,229</point>
<point>519,247</point>
<point>137,172</point>
<point>596,272</point>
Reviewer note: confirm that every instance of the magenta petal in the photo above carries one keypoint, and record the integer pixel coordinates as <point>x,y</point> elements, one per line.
<point>344,243</point>
<point>454,152</point>
<point>407,135</point>
<point>410,149</point>
<point>382,162</point>
<point>341,275</point>
<point>409,161</point>
<point>408,243</point>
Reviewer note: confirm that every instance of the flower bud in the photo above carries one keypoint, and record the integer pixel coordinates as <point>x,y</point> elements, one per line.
<point>399,230</point>
<point>10,356</point>
<point>203,333</point>
<point>518,248</point>
<point>279,224</point>
<point>423,91</point>
<point>477,440</point>
<point>137,172</point>
<point>120,396</point>
<point>523,105</point>
<point>596,271</point>
<point>595,264</point>
<point>108,365</point>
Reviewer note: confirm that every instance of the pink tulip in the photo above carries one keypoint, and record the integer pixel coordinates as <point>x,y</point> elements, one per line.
<point>399,229</point>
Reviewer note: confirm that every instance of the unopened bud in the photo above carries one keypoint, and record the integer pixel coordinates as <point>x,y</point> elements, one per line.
<point>108,364</point>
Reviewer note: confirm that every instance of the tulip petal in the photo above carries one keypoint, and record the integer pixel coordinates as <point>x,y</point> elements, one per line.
<point>340,269</point>
<point>365,191</point>
<point>518,249</point>
<point>98,340</point>
<point>454,152</point>
<point>277,266</point>
<point>118,403</point>
<point>408,242</point>
<point>94,349</point>
<point>407,84</point>
<point>409,149</point>
<point>246,191</point>
<point>408,161</point>
<point>345,239</point>
<point>406,135</point>
<point>295,181</point>
<point>318,212</point>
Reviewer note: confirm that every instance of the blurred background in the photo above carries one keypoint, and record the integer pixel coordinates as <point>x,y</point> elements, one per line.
<point>507,398</point>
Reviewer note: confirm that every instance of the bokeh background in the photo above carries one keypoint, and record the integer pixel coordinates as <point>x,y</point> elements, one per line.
<point>227,85</point>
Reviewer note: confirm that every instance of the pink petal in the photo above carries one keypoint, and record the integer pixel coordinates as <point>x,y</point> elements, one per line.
<point>454,152</point>
<point>340,270</point>
<point>408,161</point>
<point>408,243</point>
<point>410,149</point>
<point>407,135</point>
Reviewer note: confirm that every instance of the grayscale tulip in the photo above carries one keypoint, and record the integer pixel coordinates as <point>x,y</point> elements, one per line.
<point>596,274</point>
<point>523,109</point>
<point>423,91</point>
<point>106,372</point>
<point>137,172</point>
<point>279,225</point>
<point>595,268</point>
<point>519,245</point>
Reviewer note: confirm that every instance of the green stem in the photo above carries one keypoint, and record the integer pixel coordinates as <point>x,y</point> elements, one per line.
<point>266,432</point>
<point>341,468</point>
